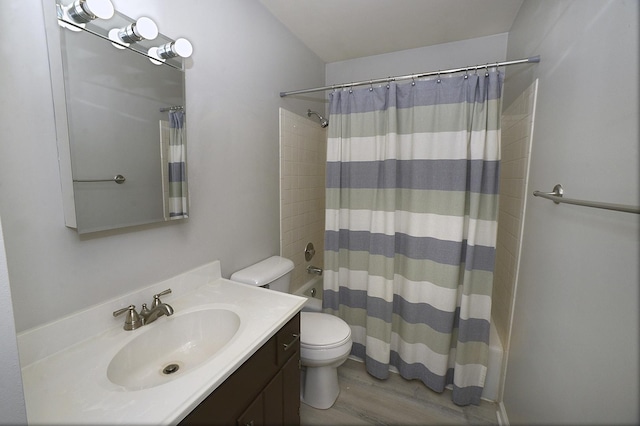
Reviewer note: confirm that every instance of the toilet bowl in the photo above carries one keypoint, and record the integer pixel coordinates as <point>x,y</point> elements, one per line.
<point>324,346</point>
<point>325,340</point>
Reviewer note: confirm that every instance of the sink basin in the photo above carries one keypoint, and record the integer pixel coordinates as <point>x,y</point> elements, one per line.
<point>172,347</point>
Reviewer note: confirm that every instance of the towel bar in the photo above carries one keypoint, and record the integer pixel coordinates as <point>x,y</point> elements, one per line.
<point>557,196</point>
<point>119,179</point>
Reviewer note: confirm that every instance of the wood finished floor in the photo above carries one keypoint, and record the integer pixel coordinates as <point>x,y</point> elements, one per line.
<point>364,400</point>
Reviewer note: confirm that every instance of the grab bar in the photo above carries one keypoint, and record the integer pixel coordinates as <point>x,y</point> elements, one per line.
<point>119,179</point>
<point>557,196</point>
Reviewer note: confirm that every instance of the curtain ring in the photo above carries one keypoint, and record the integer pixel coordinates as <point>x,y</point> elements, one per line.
<point>466,73</point>
<point>371,85</point>
<point>438,80</point>
<point>486,70</point>
<point>389,80</point>
<point>413,80</point>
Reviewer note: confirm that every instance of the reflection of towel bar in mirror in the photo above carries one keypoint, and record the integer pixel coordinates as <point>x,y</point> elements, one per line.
<point>119,179</point>
<point>172,108</point>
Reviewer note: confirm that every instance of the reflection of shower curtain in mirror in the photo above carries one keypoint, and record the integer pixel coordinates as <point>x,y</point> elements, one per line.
<point>411,219</point>
<point>176,202</point>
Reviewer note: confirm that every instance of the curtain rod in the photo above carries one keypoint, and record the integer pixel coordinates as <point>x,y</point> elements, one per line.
<point>412,76</point>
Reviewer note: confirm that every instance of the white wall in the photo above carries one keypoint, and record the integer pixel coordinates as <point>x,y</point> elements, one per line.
<point>12,407</point>
<point>412,61</point>
<point>242,59</point>
<point>574,345</point>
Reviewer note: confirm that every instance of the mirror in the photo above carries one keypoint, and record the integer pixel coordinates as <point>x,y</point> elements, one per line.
<point>113,111</point>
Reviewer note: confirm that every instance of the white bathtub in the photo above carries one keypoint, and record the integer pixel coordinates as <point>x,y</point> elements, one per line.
<point>312,290</point>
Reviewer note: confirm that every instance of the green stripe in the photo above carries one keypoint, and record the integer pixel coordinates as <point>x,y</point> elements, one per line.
<point>442,275</point>
<point>422,334</point>
<point>472,353</point>
<point>420,119</point>
<point>447,203</point>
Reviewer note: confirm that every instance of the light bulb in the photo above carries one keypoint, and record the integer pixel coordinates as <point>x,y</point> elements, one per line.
<point>83,11</point>
<point>143,28</point>
<point>181,47</point>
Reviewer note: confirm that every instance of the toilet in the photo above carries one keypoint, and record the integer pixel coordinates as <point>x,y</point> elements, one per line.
<point>325,340</point>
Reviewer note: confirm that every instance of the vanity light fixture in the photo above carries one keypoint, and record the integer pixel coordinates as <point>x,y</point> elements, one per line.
<point>181,47</point>
<point>82,11</point>
<point>143,29</point>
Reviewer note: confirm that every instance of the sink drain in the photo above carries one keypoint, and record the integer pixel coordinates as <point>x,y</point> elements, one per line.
<point>171,368</point>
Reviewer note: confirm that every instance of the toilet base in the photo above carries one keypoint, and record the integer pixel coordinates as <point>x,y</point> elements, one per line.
<point>320,387</point>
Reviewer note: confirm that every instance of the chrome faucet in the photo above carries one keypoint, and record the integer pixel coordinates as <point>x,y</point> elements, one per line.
<point>314,270</point>
<point>146,316</point>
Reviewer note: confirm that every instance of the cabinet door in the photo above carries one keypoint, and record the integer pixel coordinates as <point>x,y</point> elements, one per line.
<point>254,415</point>
<point>291,391</point>
<point>282,395</point>
<point>273,403</point>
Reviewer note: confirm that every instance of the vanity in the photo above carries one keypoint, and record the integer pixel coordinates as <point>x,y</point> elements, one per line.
<point>229,354</point>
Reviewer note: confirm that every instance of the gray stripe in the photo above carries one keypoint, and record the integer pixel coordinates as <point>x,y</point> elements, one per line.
<point>450,90</point>
<point>346,296</point>
<point>177,172</point>
<point>469,330</point>
<point>444,175</point>
<point>472,329</point>
<point>466,396</point>
<point>422,248</point>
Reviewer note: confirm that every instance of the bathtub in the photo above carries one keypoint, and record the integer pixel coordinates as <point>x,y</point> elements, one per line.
<point>312,290</point>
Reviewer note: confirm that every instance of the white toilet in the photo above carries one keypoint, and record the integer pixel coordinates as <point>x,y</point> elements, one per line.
<point>325,340</point>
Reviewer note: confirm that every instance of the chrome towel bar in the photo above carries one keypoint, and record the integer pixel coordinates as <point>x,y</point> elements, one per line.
<point>119,179</point>
<point>557,196</point>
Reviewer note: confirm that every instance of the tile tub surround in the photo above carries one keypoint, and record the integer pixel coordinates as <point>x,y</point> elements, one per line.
<point>517,133</point>
<point>64,363</point>
<point>303,153</point>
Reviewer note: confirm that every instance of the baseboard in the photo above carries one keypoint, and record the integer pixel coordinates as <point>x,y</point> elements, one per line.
<point>501,414</point>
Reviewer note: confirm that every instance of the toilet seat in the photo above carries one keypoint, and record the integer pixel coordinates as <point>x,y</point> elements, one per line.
<point>322,331</point>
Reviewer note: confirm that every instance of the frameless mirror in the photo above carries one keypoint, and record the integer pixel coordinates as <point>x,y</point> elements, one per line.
<point>120,120</point>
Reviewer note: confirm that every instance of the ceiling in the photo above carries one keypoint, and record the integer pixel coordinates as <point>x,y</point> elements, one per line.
<point>338,30</point>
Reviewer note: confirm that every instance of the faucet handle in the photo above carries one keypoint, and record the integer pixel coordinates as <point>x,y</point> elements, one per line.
<point>144,310</point>
<point>156,298</point>
<point>132,320</point>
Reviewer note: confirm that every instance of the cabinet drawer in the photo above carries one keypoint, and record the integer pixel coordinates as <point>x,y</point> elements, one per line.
<point>288,341</point>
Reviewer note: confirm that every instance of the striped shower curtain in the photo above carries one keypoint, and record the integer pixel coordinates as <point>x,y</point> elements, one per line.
<point>177,166</point>
<point>411,222</point>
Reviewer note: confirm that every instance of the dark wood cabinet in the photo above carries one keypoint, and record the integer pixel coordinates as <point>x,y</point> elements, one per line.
<point>265,390</point>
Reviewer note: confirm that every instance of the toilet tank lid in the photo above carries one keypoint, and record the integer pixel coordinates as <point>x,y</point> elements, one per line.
<point>264,272</point>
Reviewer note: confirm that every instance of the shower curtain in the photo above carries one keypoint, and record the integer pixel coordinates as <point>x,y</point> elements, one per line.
<point>178,203</point>
<point>411,222</point>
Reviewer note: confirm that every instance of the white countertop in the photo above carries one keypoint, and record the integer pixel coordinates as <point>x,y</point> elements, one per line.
<point>64,363</point>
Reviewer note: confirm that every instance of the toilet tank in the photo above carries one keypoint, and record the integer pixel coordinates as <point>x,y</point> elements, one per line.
<point>273,273</point>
